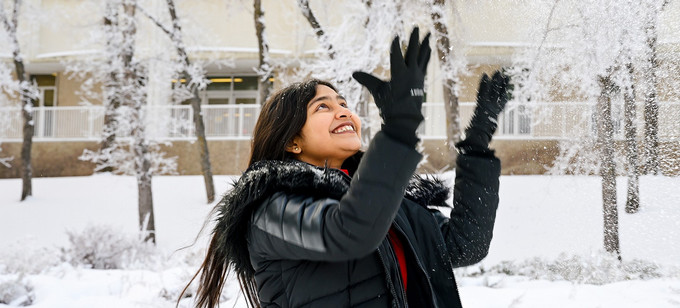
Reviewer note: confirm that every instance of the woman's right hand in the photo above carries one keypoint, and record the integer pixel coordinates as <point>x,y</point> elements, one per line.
<point>400,99</point>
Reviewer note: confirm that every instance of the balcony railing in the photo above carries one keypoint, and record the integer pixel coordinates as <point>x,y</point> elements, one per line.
<point>84,123</point>
<point>552,120</point>
<point>535,121</point>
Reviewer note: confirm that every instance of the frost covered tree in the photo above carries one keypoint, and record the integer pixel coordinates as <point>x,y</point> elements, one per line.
<point>338,67</point>
<point>650,13</point>
<point>124,79</point>
<point>359,41</point>
<point>323,39</point>
<point>327,58</point>
<point>588,51</point>
<point>605,143</point>
<point>450,64</point>
<point>112,103</point>
<point>27,90</point>
<point>630,136</point>
<point>194,82</point>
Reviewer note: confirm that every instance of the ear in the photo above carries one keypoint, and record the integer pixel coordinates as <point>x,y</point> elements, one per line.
<point>294,146</point>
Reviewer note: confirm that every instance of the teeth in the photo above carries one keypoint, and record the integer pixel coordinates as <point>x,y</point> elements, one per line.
<point>344,129</point>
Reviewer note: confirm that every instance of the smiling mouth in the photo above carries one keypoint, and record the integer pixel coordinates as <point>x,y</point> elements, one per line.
<point>343,129</point>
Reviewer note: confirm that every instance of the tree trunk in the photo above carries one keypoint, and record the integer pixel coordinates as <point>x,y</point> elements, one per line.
<point>27,99</point>
<point>27,144</point>
<point>451,107</point>
<point>199,125</point>
<point>263,53</point>
<point>28,129</point>
<point>202,142</point>
<point>651,141</point>
<point>144,193</point>
<point>320,34</point>
<point>605,134</point>
<point>630,118</point>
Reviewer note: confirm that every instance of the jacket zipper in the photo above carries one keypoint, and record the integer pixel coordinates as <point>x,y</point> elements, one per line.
<point>389,280</point>
<point>389,277</point>
<point>420,265</point>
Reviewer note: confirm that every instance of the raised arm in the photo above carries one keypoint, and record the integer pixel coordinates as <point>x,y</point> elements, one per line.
<point>469,230</point>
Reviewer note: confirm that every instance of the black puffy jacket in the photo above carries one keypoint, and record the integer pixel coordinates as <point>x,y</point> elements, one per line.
<point>317,238</point>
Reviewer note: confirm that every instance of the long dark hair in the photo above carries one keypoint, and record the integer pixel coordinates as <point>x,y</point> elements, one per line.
<point>281,119</point>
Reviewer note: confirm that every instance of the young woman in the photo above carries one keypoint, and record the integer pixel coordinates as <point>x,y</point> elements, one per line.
<point>314,222</point>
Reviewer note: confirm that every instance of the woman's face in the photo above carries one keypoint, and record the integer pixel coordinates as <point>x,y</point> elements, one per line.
<point>332,132</point>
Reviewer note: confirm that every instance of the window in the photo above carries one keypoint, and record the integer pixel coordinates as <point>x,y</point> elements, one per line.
<point>229,105</point>
<point>524,120</point>
<point>508,122</point>
<point>515,121</point>
<point>45,117</point>
<point>47,85</point>
<point>226,96</point>
<point>224,90</point>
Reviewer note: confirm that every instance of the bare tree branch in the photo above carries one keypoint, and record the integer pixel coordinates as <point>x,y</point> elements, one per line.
<point>548,29</point>
<point>264,69</point>
<point>154,20</point>
<point>320,34</point>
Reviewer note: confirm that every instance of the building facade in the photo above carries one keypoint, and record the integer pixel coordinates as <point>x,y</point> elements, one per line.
<point>54,33</point>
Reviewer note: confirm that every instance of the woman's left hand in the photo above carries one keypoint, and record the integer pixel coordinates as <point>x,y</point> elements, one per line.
<point>400,99</point>
<point>492,95</point>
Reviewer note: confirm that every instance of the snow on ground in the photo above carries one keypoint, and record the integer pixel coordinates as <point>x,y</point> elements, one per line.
<point>539,216</point>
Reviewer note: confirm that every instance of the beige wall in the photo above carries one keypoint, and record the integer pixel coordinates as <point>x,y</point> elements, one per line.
<point>517,156</point>
<point>61,158</point>
<point>68,92</point>
<point>49,159</point>
<point>491,30</point>
<point>67,26</point>
<point>216,23</point>
<point>231,157</point>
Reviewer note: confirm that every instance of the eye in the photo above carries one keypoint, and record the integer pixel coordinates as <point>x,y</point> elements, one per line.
<point>344,104</point>
<point>321,106</point>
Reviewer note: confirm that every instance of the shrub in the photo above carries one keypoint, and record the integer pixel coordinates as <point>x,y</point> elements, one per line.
<point>598,268</point>
<point>601,269</point>
<point>16,292</point>
<point>103,247</point>
<point>27,259</point>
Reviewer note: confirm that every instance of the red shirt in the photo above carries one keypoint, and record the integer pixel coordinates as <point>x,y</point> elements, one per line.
<point>401,257</point>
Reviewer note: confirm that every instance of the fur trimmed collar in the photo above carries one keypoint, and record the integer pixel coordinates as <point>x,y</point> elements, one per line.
<point>264,178</point>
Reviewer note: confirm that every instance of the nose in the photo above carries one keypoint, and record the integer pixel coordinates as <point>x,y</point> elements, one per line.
<point>343,113</point>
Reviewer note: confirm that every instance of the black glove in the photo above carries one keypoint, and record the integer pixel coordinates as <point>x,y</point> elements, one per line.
<point>400,99</point>
<point>491,99</point>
